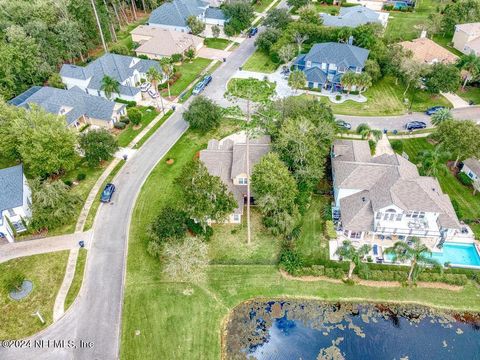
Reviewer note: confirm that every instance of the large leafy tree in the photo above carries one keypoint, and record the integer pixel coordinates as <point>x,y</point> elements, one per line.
<point>169,225</point>
<point>267,38</point>
<point>348,252</point>
<point>433,161</point>
<point>240,14</point>
<point>297,80</point>
<point>417,254</point>
<point>460,12</point>
<point>195,24</point>
<point>442,78</point>
<point>459,138</point>
<point>206,196</point>
<point>470,64</point>
<point>298,3</point>
<point>203,114</point>
<point>277,18</point>
<point>98,145</point>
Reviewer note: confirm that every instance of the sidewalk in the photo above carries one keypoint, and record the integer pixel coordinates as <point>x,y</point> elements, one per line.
<point>456,100</point>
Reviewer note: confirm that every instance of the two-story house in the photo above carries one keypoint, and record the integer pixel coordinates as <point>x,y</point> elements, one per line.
<point>227,159</point>
<point>15,202</point>
<point>384,198</point>
<point>466,38</point>
<point>127,70</point>
<point>325,64</point>
<point>76,106</point>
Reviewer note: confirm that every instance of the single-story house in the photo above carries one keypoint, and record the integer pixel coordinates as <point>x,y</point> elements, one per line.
<point>74,104</point>
<point>173,15</point>
<point>325,64</point>
<point>355,16</point>
<point>15,202</point>
<point>156,43</point>
<point>471,167</point>
<point>127,70</point>
<point>227,160</point>
<point>426,51</point>
<point>466,38</point>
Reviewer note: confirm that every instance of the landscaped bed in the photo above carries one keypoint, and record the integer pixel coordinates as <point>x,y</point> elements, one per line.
<point>253,89</point>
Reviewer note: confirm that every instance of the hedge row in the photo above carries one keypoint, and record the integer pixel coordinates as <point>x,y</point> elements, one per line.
<point>320,270</point>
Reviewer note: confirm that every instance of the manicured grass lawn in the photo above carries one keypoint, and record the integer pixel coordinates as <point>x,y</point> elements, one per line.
<point>77,279</point>
<point>470,94</point>
<point>217,43</point>
<point>468,203</point>
<point>260,62</point>
<point>96,203</point>
<point>184,321</point>
<point>327,9</point>
<point>188,93</point>
<point>261,5</point>
<point>46,272</point>
<point>131,131</point>
<point>189,71</point>
<point>255,90</point>
<point>386,98</point>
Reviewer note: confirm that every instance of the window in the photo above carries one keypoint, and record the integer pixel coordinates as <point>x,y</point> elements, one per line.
<point>471,175</point>
<point>379,216</point>
<point>421,215</point>
<point>386,216</point>
<point>355,235</point>
<point>11,212</point>
<point>242,181</point>
<point>236,217</point>
<point>399,217</point>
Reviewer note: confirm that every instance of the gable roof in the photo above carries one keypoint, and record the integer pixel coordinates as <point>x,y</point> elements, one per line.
<point>11,187</point>
<point>351,17</point>
<point>473,164</point>
<point>468,27</point>
<point>335,53</point>
<point>215,13</point>
<point>72,103</point>
<point>118,67</point>
<point>427,51</point>
<point>176,12</point>
<point>384,181</point>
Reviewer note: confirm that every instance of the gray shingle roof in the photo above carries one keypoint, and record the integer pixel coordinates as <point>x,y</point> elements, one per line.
<point>343,55</point>
<point>383,181</point>
<point>214,13</point>
<point>176,12</point>
<point>119,67</point>
<point>474,165</point>
<point>315,74</point>
<point>11,187</point>
<point>352,17</point>
<point>53,99</point>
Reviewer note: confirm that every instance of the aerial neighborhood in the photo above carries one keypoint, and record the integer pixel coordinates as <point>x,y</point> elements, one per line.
<point>233,179</point>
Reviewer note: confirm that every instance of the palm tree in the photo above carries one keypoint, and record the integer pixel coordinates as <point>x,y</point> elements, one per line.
<point>471,64</point>
<point>364,81</point>
<point>297,79</point>
<point>99,26</point>
<point>433,161</point>
<point>441,116</point>
<point>368,133</point>
<point>355,256</point>
<point>167,69</point>
<point>348,80</point>
<point>154,76</point>
<point>418,254</point>
<point>110,86</point>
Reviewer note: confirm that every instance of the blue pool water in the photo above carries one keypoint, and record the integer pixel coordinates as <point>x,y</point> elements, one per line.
<point>458,254</point>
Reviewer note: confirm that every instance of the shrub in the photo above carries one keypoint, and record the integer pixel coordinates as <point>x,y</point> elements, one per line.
<point>457,208</point>
<point>81,176</point>
<point>176,58</point>
<point>330,231</point>
<point>373,145</point>
<point>126,102</point>
<point>464,179</point>
<point>170,224</point>
<point>197,229</point>
<point>338,97</point>
<point>14,281</point>
<point>397,145</point>
<point>290,259</point>
<point>327,212</point>
<point>119,125</point>
<point>125,120</point>
<point>135,115</point>
<point>119,49</point>
<point>69,183</point>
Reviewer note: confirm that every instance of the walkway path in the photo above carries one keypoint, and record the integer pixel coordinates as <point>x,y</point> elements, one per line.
<point>59,306</point>
<point>383,146</point>
<point>456,100</point>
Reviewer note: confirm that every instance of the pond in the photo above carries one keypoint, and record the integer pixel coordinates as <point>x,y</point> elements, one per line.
<point>277,330</point>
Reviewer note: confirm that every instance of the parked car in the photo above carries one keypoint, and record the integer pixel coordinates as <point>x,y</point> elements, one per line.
<point>252,32</point>
<point>433,110</point>
<point>415,125</point>
<point>153,93</point>
<point>344,124</point>
<point>145,86</point>
<point>201,85</point>
<point>107,193</point>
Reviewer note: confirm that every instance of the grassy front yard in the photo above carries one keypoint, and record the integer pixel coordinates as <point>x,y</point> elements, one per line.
<point>260,62</point>
<point>255,90</point>
<point>46,272</point>
<point>217,43</point>
<point>261,5</point>
<point>131,131</point>
<point>189,317</point>
<point>470,94</point>
<point>386,98</point>
<point>190,71</point>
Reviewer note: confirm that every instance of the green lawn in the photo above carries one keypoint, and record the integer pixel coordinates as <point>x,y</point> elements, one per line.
<point>255,90</point>
<point>261,5</point>
<point>190,71</point>
<point>77,279</point>
<point>469,203</point>
<point>46,272</point>
<point>131,131</point>
<point>216,43</point>
<point>189,317</point>
<point>260,62</point>
<point>188,93</point>
<point>386,98</point>
<point>470,94</point>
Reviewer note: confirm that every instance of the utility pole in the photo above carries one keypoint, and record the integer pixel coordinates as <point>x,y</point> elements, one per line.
<point>247,142</point>
<point>99,26</point>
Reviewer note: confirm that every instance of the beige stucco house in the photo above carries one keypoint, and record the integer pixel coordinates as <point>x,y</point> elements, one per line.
<point>466,38</point>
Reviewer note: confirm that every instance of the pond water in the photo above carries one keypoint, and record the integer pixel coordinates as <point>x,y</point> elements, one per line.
<point>278,330</point>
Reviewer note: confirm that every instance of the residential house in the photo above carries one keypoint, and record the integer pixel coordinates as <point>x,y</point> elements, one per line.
<point>76,106</point>
<point>383,199</point>
<point>127,70</point>
<point>471,167</point>
<point>15,202</point>
<point>375,5</point>
<point>227,160</point>
<point>157,43</point>
<point>173,15</point>
<point>355,16</point>
<point>466,38</point>
<point>325,64</point>
<point>426,51</point>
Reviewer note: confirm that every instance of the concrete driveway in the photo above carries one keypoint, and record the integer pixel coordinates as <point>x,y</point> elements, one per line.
<point>213,54</point>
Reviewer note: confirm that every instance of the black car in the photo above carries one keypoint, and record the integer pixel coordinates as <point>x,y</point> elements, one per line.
<point>252,32</point>
<point>343,124</point>
<point>107,193</point>
<point>433,110</point>
<point>415,125</point>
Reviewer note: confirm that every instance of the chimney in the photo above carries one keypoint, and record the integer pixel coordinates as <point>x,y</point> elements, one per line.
<point>423,35</point>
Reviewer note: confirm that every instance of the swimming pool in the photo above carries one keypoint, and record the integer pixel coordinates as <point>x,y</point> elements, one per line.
<point>458,254</point>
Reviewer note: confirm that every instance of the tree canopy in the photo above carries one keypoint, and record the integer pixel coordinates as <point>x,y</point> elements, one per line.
<point>98,145</point>
<point>240,14</point>
<point>203,114</point>
<point>442,78</point>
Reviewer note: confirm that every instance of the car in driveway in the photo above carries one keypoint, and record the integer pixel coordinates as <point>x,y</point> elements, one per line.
<point>201,85</point>
<point>145,86</point>
<point>252,32</point>
<point>343,124</point>
<point>153,93</point>
<point>107,193</point>
<point>433,110</point>
<point>415,125</point>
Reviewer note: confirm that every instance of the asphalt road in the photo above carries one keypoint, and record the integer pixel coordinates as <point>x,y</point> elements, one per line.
<point>96,315</point>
